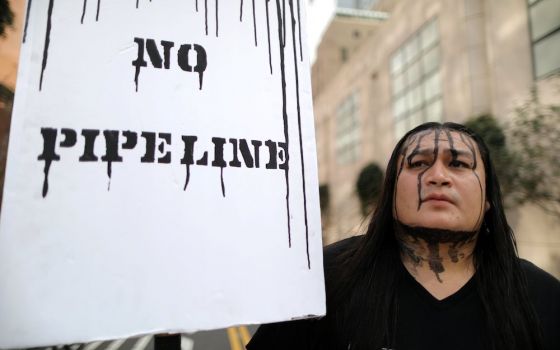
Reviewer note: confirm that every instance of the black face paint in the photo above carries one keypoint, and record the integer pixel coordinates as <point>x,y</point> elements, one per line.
<point>433,237</point>
<point>434,159</point>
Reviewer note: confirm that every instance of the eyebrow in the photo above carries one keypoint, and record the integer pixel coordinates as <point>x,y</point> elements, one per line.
<point>430,152</point>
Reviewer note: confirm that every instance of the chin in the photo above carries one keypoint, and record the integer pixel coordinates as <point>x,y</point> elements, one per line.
<point>441,225</point>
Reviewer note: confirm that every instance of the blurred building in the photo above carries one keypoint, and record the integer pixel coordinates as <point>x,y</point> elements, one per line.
<point>383,69</point>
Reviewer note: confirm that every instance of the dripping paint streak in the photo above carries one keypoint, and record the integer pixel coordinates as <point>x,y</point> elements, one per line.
<point>188,177</point>
<point>285,117</point>
<point>299,130</point>
<point>206,15</point>
<point>109,171</point>
<point>47,42</point>
<point>268,36</point>
<point>196,5</point>
<point>26,19</point>
<point>217,18</point>
<point>222,180</point>
<point>97,14</point>
<point>83,12</point>
<point>299,31</point>
<point>241,11</point>
<point>46,179</point>
<point>283,23</point>
<point>254,23</point>
<point>137,3</point>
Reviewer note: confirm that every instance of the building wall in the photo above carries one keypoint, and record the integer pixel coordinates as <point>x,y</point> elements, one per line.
<point>485,68</point>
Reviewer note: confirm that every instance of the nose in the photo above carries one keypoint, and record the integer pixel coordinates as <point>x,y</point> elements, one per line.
<point>437,174</point>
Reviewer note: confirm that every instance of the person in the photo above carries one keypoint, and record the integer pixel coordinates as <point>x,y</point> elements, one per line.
<point>437,267</point>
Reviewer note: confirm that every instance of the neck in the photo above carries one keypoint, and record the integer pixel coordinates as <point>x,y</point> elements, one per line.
<point>440,255</point>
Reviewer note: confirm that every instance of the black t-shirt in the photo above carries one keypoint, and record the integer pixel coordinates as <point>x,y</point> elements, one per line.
<point>423,322</point>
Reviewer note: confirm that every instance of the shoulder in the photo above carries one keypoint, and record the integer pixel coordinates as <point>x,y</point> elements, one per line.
<point>544,293</point>
<point>333,252</point>
<point>538,280</point>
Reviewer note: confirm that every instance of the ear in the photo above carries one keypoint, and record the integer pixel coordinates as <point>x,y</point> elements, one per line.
<point>486,206</point>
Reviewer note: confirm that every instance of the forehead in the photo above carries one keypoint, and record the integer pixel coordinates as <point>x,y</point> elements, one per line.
<point>442,139</point>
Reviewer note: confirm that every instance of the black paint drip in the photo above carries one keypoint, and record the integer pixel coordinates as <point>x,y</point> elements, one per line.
<point>254,23</point>
<point>47,42</point>
<point>222,181</point>
<point>217,20</point>
<point>26,19</point>
<point>268,36</point>
<point>206,16</point>
<point>299,31</point>
<point>83,12</point>
<point>196,5</point>
<point>188,177</point>
<point>421,174</point>
<point>241,11</point>
<point>285,117</point>
<point>98,7</point>
<point>283,23</point>
<point>296,76</point>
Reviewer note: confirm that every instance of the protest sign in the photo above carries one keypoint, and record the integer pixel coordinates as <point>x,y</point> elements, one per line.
<point>161,171</point>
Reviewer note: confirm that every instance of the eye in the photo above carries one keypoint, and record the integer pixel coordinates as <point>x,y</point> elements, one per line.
<point>459,164</point>
<point>418,164</point>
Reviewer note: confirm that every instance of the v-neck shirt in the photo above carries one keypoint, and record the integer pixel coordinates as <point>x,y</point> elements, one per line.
<point>424,322</point>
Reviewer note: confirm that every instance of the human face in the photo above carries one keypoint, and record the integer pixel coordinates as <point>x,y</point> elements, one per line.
<point>440,182</point>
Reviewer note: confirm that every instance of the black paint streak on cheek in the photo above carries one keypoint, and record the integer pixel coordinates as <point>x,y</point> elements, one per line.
<point>300,131</point>
<point>241,11</point>
<point>47,42</point>
<point>196,5</point>
<point>98,7</point>
<point>137,1</point>
<point>436,150</point>
<point>284,116</point>
<point>268,36</point>
<point>254,23</point>
<point>83,12</point>
<point>26,19</point>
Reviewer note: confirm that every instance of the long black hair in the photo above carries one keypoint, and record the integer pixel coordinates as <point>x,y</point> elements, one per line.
<point>362,290</point>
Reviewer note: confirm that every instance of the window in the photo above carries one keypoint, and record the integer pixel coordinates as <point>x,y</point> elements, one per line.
<point>544,19</point>
<point>415,79</point>
<point>348,130</point>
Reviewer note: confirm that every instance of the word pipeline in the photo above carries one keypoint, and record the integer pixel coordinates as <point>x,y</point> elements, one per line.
<point>156,148</point>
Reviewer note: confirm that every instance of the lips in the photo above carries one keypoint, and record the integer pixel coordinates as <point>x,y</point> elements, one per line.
<point>438,197</point>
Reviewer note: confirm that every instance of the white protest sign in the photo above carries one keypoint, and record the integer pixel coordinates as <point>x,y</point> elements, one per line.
<point>161,171</point>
